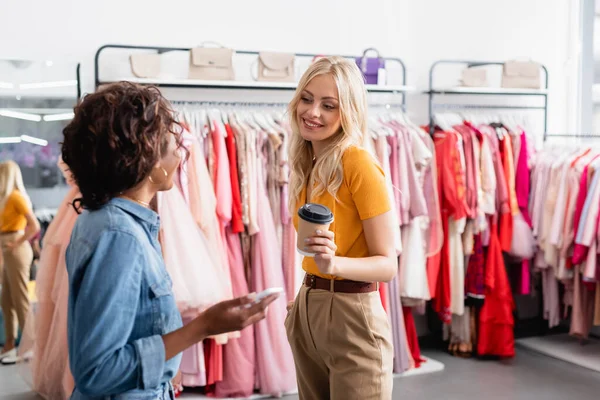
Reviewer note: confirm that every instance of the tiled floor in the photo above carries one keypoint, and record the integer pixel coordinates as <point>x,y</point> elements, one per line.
<point>529,376</point>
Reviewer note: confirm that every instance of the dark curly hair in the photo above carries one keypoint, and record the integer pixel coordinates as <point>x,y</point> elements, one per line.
<point>116,137</point>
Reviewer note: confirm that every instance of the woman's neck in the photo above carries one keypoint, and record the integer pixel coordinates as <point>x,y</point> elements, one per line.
<point>142,195</point>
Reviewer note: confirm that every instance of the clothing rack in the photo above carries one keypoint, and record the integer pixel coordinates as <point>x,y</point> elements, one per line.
<point>482,91</point>
<point>229,103</point>
<point>245,85</point>
<point>260,104</point>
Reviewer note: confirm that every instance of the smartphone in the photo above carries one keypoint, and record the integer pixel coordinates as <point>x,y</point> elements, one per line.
<point>265,293</point>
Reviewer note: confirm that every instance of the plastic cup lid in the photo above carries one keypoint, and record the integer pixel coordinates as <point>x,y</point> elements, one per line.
<point>315,213</point>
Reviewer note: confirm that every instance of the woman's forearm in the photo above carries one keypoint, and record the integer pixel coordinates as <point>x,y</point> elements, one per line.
<point>366,269</point>
<point>179,340</point>
<point>30,232</point>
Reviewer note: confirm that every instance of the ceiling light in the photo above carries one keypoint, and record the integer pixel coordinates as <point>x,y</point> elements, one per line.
<point>49,63</point>
<point>33,140</point>
<point>10,139</point>
<point>20,115</point>
<point>59,117</point>
<point>49,84</point>
<point>6,85</point>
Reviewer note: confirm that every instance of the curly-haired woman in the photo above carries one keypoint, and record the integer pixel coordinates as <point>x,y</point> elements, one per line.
<point>124,331</point>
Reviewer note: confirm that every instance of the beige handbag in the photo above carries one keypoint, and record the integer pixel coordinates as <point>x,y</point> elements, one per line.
<point>211,63</point>
<point>474,77</point>
<point>145,65</point>
<point>521,74</point>
<point>278,67</point>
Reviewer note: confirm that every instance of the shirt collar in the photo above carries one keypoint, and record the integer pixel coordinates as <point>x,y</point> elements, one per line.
<point>137,210</point>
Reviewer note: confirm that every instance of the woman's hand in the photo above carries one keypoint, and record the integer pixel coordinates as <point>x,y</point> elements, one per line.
<point>233,315</point>
<point>289,306</point>
<point>322,244</point>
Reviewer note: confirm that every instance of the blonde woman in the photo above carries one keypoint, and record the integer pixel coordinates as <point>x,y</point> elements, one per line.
<point>337,328</point>
<point>18,225</point>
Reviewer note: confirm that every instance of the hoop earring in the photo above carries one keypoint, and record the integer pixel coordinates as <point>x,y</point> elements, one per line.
<point>152,180</point>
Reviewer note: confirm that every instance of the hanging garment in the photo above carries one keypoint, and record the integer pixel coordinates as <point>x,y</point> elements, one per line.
<point>399,339</point>
<point>413,339</point>
<point>413,264</point>
<point>237,224</point>
<point>198,282</point>
<point>451,189</point>
<point>496,323</point>
<point>275,367</point>
<point>45,333</point>
<point>475,276</point>
<point>239,356</point>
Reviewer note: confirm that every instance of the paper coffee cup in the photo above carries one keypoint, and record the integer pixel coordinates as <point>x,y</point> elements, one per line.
<point>312,217</point>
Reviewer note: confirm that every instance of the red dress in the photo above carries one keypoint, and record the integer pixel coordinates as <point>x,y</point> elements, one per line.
<point>496,335</point>
<point>452,190</point>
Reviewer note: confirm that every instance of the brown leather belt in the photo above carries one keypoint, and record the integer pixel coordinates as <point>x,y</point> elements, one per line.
<point>343,286</point>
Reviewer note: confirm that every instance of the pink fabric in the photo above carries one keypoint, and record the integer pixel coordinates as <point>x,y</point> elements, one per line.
<point>193,367</point>
<point>46,331</point>
<point>238,354</point>
<point>198,281</point>
<point>434,234</point>
<point>522,186</point>
<point>275,365</point>
<point>401,186</point>
<point>418,205</point>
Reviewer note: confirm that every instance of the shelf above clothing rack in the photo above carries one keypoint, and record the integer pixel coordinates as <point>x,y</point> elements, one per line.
<point>574,136</point>
<point>401,89</point>
<point>489,91</point>
<point>194,83</point>
<point>483,91</point>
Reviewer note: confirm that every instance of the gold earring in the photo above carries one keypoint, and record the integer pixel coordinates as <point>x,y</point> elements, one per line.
<point>152,180</point>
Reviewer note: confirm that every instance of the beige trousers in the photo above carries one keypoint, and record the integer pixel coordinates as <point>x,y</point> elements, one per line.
<point>342,345</point>
<point>15,276</point>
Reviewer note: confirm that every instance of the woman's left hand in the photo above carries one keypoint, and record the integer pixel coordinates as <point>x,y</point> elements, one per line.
<point>323,245</point>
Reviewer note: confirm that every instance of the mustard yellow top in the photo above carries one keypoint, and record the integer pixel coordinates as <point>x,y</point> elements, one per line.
<point>362,195</point>
<point>13,216</point>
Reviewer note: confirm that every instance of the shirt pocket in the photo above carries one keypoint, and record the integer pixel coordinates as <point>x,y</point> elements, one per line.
<point>165,316</point>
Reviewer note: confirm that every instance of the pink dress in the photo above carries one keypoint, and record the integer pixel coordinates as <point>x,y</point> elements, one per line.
<point>46,330</point>
<point>275,364</point>
<point>198,281</point>
<point>238,354</point>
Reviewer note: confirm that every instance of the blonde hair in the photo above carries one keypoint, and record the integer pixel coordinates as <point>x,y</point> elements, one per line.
<point>11,179</point>
<point>328,169</point>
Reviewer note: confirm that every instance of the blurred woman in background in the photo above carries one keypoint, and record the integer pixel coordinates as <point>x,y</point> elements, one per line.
<point>18,225</point>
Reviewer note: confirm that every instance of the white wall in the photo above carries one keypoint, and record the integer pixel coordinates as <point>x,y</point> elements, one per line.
<point>420,32</point>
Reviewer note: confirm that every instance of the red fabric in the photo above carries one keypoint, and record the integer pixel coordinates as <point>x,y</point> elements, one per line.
<point>237,226</point>
<point>383,295</point>
<point>496,322</point>
<point>412,337</point>
<point>452,192</point>
<point>433,272</point>
<point>213,358</point>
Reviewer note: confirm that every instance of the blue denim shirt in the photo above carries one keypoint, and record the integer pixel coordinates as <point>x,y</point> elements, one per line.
<point>120,304</point>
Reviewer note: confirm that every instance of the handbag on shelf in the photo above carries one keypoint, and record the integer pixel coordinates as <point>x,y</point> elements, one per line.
<point>370,66</point>
<point>211,63</point>
<point>474,77</point>
<point>521,75</point>
<point>145,65</point>
<point>276,67</point>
